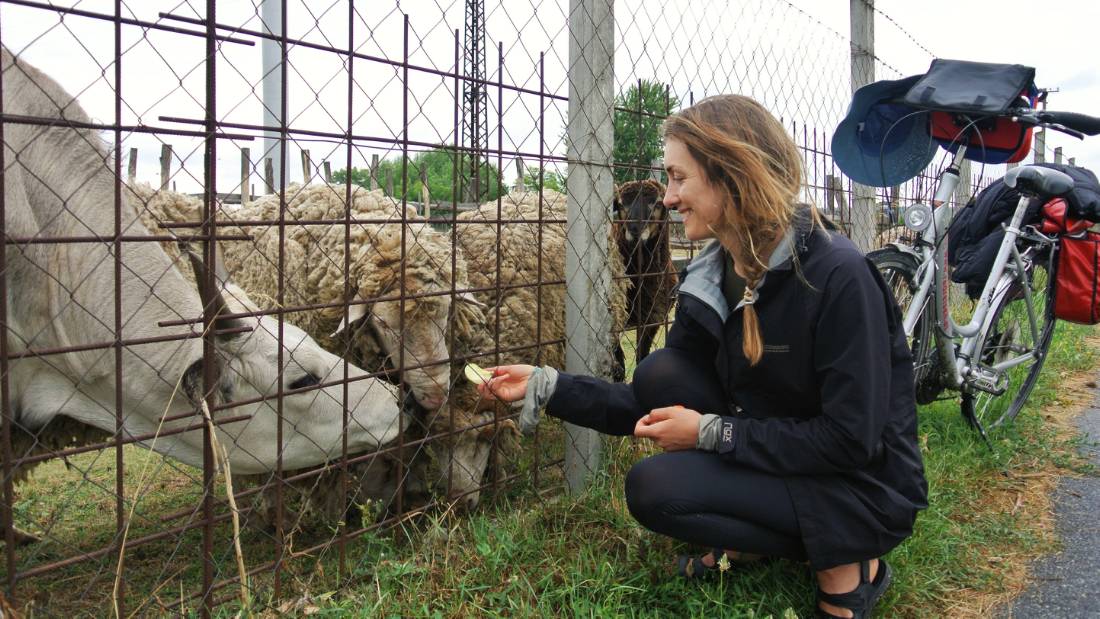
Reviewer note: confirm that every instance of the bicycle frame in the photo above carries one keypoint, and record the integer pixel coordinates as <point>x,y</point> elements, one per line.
<point>956,367</point>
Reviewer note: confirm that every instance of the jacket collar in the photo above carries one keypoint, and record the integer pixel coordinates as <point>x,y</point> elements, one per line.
<point>703,275</point>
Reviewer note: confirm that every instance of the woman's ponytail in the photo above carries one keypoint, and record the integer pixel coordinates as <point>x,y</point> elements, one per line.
<point>752,340</point>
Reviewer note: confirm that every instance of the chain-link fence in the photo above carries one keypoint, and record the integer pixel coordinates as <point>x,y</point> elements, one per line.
<point>251,248</point>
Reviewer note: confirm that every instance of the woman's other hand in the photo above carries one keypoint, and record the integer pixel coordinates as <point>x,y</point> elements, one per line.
<point>508,384</point>
<point>673,428</point>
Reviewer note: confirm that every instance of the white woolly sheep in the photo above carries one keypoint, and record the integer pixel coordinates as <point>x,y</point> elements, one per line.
<point>314,259</point>
<point>524,335</point>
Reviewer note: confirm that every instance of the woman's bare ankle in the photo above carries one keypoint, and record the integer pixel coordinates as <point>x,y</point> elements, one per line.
<point>842,579</point>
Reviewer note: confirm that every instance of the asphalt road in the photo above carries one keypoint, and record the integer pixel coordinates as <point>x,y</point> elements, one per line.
<point>1067,584</point>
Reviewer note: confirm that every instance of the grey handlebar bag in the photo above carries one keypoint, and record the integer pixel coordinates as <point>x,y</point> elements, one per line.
<point>973,88</point>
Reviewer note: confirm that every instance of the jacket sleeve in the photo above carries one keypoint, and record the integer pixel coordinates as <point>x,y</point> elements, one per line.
<point>611,407</point>
<point>595,403</point>
<point>852,362</point>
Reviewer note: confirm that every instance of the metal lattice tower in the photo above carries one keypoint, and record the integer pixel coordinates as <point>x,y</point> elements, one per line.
<point>475,117</point>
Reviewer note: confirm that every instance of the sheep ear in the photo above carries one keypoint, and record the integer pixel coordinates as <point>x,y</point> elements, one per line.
<point>355,313</point>
<point>468,297</point>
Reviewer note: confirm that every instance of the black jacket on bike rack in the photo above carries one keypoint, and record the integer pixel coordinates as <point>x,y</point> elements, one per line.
<point>976,232</point>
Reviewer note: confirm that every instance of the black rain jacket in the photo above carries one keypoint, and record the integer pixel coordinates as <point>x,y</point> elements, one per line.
<point>830,406</point>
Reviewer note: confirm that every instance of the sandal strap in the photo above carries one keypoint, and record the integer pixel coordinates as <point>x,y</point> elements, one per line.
<point>852,600</point>
<point>692,566</point>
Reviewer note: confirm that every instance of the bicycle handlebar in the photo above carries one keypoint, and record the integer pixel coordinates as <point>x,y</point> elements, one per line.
<point>1072,123</point>
<point>1089,125</point>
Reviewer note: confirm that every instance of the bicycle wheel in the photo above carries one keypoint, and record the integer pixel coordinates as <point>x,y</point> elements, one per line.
<point>1011,350</point>
<point>899,270</point>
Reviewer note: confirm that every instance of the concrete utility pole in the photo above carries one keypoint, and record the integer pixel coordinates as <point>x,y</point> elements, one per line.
<point>862,13</point>
<point>590,133</point>
<point>271,11</point>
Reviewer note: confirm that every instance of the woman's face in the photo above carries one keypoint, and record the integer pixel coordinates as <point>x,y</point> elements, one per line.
<point>689,191</point>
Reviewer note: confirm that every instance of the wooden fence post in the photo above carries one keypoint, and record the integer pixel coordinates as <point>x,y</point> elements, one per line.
<point>389,182</point>
<point>328,171</point>
<point>269,175</point>
<point>131,169</point>
<point>374,173</point>
<point>307,167</point>
<point>165,165</point>
<point>246,171</point>
<point>425,193</point>
<point>1058,154</point>
<point>834,197</point>
<point>519,184</point>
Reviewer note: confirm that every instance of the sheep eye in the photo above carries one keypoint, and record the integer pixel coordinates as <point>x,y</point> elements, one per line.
<point>307,380</point>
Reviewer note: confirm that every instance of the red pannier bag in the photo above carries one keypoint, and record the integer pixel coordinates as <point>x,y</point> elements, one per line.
<point>1077,278</point>
<point>1001,139</point>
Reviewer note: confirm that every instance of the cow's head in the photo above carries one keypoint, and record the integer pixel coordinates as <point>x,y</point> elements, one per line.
<point>311,381</point>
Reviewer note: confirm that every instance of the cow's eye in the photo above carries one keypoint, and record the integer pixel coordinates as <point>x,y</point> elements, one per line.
<point>307,380</point>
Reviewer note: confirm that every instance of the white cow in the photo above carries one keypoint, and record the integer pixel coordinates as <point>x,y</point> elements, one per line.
<point>58,182</point>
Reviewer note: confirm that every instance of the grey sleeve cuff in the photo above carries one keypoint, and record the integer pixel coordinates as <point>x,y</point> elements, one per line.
<point>710,426</point>
<point>540,388</point>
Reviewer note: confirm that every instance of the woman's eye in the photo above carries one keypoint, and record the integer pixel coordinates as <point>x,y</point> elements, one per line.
<point>307,380</point>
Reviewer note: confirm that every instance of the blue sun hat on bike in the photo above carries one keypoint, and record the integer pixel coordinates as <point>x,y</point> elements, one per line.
<point>883,142</point>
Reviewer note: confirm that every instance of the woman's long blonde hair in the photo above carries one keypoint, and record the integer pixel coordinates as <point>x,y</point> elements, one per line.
<point>747,156</point>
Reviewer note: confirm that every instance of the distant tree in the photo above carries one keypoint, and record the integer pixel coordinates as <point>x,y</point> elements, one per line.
<point>359,176</point>
<point>439,165</point>
<point>638,136</point>
<point>550,180</point>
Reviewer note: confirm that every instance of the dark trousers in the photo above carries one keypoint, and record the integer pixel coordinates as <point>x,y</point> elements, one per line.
<point>695,496</point>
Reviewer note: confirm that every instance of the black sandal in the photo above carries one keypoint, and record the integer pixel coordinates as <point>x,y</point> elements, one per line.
<point>862,599</point>
<point>692,567</point>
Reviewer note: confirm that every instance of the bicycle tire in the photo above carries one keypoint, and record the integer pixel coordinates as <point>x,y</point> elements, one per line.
<point>899,270</point>
<point>1009,333</point>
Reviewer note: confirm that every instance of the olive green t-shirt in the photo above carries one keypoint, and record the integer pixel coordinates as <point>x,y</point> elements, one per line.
<point>733,285</point>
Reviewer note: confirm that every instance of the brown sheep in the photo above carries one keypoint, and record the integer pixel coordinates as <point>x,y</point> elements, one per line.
<point>641,232</point>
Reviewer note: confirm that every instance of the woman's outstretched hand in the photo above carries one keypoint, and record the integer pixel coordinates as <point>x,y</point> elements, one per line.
<point>673,427</point>
<point>508,384</point>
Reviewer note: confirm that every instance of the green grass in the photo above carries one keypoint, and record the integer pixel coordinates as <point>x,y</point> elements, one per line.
<point>537,552</point>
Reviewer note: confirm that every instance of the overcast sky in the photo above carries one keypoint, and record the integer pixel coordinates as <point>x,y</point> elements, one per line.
<point>791,56</point>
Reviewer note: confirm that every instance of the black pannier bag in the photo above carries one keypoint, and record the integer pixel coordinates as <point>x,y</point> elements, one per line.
<point>976,232</point>
<point>971,88</point>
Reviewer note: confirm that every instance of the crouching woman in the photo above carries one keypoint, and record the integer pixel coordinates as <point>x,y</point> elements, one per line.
<point>783,398</point>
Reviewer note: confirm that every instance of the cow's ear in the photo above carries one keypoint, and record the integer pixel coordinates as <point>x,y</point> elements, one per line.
<point>191,383</point>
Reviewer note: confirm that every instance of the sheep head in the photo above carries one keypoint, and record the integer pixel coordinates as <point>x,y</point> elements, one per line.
<point>640,210</point>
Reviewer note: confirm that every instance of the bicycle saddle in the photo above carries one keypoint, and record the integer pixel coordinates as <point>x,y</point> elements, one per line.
<point>1037,181</point>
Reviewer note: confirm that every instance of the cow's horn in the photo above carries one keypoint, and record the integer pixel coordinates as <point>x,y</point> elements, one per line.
<point>217,301</point>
